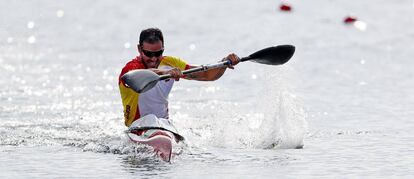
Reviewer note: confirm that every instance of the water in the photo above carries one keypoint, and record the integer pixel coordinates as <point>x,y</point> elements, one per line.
<point>345,96</point>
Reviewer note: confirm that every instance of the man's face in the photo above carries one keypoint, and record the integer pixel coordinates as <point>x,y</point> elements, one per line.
<point>151,53</point>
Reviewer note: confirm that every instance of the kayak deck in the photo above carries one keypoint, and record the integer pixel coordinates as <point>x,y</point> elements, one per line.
<point>161,141</point>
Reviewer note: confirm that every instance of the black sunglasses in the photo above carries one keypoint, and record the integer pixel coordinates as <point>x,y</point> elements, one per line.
<point>151,54</point>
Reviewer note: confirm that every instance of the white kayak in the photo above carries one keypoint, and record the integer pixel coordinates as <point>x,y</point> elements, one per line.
<point>158,133</point>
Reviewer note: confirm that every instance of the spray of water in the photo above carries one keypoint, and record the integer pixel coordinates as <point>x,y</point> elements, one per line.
<point>273,118</point>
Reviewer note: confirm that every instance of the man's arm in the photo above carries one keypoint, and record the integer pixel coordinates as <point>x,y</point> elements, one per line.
<point>213,74</point>
<point>209,75</point>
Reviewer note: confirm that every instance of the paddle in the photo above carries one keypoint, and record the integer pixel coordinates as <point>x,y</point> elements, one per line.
<point>142,80</point>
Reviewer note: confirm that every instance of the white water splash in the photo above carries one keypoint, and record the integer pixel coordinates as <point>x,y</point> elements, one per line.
<point>274,118</point>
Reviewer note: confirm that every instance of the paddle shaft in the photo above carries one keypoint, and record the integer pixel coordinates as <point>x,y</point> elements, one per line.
<point>204,68</point>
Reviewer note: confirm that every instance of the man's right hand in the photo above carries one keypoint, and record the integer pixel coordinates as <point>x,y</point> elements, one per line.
<point>175,73</point>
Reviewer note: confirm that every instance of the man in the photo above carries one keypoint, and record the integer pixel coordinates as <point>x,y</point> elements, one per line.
<point>155,101</point>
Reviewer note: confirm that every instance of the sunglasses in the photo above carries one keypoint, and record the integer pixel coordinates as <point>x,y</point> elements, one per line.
<point>151,54</point>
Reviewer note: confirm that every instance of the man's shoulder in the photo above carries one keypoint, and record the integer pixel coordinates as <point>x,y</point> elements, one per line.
<point>174,61</point>
<point>131,65</point>
<point>171,58</point>
<point>134,63</point>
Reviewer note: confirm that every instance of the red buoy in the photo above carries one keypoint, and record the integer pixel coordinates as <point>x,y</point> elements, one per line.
<point>285,7</point>
<point>350,20</point>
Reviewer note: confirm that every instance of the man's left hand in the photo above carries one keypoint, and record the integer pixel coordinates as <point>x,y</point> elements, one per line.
<point>234,60</point>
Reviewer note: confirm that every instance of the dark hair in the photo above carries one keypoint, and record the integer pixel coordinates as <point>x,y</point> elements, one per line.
<point>151,35</point>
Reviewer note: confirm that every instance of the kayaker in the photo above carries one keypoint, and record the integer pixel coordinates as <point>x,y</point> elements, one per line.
<point>155,101</point>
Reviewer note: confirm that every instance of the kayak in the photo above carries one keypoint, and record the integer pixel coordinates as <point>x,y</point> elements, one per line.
<point>158,133</point>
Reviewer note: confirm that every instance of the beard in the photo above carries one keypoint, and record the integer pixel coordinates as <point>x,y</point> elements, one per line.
<point>151,63</point>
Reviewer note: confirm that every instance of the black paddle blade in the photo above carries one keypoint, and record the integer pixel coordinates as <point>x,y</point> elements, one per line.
<point>277,55</point>
<point>140,80</point>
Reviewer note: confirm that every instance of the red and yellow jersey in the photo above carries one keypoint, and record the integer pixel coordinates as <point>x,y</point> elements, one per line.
<point>153,101</point>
